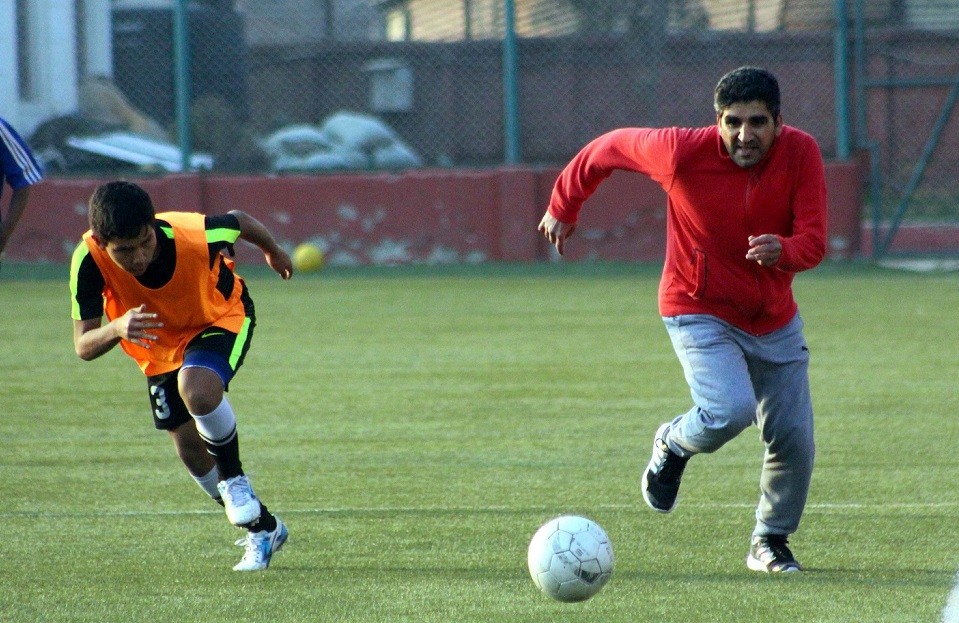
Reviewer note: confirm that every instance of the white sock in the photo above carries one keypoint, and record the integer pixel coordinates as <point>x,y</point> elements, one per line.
<point>208,482</point>
<point>218,426</point>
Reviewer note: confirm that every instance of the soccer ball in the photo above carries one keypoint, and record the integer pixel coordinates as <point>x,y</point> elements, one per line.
<point>570,558</point>
<point>307,257</point>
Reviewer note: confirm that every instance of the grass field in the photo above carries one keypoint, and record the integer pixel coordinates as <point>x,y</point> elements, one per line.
<point>415,426</point>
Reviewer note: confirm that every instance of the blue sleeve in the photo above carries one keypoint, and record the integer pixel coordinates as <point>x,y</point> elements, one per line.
<point>17,164</point>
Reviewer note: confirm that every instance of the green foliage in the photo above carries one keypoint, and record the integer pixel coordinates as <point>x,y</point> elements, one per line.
<point>415,426</point>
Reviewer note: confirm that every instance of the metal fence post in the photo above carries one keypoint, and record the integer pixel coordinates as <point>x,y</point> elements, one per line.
<point>842,80</point>
<point>181,55</point>
<point>510,86</point>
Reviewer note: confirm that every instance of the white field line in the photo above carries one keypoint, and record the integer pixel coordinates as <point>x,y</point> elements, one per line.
<point>367,510</point>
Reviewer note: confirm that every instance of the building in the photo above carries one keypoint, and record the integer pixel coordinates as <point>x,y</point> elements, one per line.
<point>455,20</point>
<point>50,44</point>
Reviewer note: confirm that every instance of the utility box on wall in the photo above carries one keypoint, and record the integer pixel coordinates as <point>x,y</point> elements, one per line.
<point>391,85</point>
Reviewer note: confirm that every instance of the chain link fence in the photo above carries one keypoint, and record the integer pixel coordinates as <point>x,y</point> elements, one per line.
<point>333,85</point>
<point>907,88</point>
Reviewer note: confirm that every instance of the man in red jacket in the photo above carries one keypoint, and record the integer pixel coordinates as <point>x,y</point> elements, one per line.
<point>746,211</point>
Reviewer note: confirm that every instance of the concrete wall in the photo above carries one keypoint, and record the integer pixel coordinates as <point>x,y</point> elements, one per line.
<point>429,216</point>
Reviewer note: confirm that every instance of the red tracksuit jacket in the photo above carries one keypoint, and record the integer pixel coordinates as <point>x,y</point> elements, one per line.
<point>713,206</point>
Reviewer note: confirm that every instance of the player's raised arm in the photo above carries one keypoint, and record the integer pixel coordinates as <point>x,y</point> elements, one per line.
<point>256,232</point>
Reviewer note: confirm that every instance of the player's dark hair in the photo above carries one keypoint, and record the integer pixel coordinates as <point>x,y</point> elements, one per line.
<point>748,84</point>
<point>119,210</point>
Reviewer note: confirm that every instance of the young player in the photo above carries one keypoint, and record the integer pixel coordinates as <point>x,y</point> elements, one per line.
<point>174,304</point>
<point>18,169</point>
<point>746,211</point>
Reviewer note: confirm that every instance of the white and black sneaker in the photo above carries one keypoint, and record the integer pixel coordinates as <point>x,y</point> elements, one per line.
<point>771,554</point>
<point>663,474</point>
<point>239,501</point>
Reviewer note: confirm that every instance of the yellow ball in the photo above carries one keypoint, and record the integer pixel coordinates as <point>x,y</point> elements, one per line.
<point>307,257</point>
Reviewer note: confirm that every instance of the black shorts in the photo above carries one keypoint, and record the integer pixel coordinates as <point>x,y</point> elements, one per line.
<point>215,348</point>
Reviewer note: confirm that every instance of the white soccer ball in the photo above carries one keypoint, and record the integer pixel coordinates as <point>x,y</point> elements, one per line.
<point>570,558</point>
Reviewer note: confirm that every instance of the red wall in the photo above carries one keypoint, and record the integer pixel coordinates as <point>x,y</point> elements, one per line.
<point>422,216</point>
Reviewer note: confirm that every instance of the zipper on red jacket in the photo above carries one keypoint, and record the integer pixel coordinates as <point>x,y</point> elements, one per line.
<point>750,184</point>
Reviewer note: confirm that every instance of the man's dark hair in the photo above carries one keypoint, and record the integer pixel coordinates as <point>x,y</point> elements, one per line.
<point>748,84</point>
<point>119,210</point>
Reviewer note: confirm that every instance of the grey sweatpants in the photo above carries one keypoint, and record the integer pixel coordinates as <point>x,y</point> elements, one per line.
<point>737,379</point>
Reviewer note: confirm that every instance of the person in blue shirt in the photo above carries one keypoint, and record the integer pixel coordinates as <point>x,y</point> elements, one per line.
<point>19,170</point>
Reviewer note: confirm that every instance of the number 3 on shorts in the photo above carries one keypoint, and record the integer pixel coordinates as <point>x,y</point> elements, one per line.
<point>160,407</point>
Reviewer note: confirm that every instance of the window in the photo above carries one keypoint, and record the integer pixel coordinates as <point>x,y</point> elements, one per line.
<point>398,27</point>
